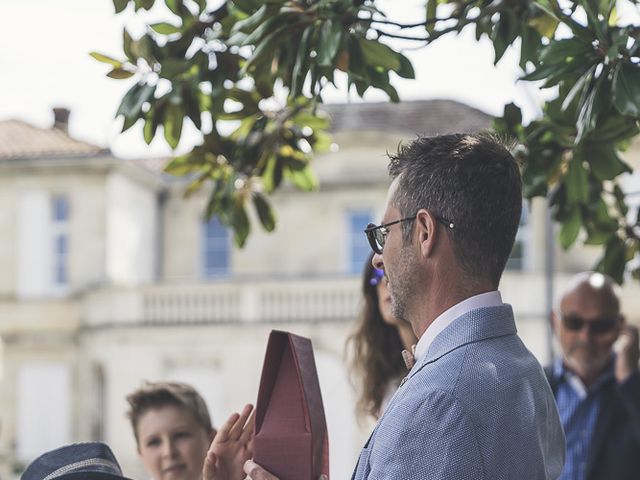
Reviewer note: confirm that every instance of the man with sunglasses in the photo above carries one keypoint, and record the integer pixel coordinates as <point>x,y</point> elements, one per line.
<point>597,388</point>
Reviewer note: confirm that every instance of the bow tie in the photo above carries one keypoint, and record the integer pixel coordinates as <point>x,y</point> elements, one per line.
<point>409,357</point>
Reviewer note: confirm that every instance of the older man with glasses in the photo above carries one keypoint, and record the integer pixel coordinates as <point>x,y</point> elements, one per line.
<point>597,388</point>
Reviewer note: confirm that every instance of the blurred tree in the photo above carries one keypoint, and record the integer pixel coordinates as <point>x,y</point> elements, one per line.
<point>260,67</point>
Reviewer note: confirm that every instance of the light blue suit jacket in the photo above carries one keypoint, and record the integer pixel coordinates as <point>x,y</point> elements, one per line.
<point>477,406</point>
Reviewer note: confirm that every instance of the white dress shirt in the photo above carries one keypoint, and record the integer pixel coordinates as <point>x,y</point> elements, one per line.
<point>489,299</point>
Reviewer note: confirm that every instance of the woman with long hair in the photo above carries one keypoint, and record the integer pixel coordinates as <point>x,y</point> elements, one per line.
<point>375,361</point>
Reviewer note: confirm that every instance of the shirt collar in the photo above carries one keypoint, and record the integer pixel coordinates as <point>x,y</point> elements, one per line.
<point>483,300</point>
<point>563,374</point>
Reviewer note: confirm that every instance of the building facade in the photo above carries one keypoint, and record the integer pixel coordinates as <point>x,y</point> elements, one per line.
<point>110,276</point>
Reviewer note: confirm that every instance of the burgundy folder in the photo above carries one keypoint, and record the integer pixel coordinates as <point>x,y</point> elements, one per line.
<point>291,438</point>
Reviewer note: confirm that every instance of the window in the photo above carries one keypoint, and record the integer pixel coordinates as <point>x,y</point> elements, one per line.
<point>60,231</point>
<point>43,398</point>
<point>215,248</point>
<point>519,259</point>
<point>359,248</point>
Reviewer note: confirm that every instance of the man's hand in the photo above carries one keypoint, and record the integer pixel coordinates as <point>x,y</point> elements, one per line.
<point>231,447</point>
<point>628,353</point>
<point>256,472</point>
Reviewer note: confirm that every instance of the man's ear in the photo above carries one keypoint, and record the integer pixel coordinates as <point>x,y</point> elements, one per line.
<point>426,231</point>
<point>552,320</point>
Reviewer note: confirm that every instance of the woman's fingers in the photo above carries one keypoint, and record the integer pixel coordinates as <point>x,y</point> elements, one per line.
<point>238,427</point>
<point>247,432</point>
<point>224,433</point>
<point>210,469</point>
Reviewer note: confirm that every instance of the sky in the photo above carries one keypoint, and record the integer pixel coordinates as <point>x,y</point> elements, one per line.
<point>45,62</point>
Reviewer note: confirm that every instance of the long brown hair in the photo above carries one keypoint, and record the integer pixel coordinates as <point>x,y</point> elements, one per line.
<point>374,349</point>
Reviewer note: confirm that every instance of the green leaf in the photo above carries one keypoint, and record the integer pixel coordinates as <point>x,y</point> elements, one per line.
<point>266,47</point>
<point>406,68</point>
<point>263,30</point>
<point>272,176</point>
<point>378,54</point>
<point>303,179</point>
<point>316,122</point>
<point>181,165</point>
<point>174,5</point>
<point>570,229</point>
<point>172,67</point>
<point>329,42</point>
<point>172,123</point>
<point>626,89</point>
<point>240,222</point>
<point>561,51</point>
<point>265,212</point>
<point>577,182</point>
<point>152,120</point>
<point>165,28</point>
<point>432,7</point>
<point>120,5</point>
<point>300,67</point>
<point>621,202</point>
<point>126,45</point>
<point>578,87</point>
<point>251,22</point>
<point>604,162</point>
<point>614,261</point>
<point>595,101</point>
<point>105,59</point>
<point>143,48</point>
<point>120,73</point>
<point>149,130</point>
<point>134,99</point>
<point>545,24</point>
<point>598,237</point>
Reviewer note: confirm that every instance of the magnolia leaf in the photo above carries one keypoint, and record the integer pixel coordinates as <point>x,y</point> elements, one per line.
<point>265,212</point>
<point>105,59</point>
<point>120,73</point>
<point>135,98</point>
<point>240,222</point>
<point>120,5</point>
<point>165,28</point>
<point>626,89</point>
<point>605,163</point>
<point>577,182</point>
<point>406,68</point>
<point>303,179</point>
<point>172,123</point>
<point>329,42</point>
<point>378,54</point>
<point>545,24</point>
<point>570,229</point>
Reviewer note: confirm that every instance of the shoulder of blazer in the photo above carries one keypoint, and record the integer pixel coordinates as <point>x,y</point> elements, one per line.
<point>553,379</point>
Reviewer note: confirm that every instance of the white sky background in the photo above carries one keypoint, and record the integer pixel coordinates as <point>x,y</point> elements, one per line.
<point>45,62</point>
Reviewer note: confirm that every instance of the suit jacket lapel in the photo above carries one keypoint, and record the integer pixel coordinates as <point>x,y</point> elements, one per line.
<point>603,422</point>
<point>474,326</point>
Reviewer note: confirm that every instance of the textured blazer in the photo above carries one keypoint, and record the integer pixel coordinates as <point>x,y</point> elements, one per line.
<point>614,452</point>
<point>477,406</point>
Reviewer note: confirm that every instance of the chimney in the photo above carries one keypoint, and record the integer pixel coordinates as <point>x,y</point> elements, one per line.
<point>61,119</point>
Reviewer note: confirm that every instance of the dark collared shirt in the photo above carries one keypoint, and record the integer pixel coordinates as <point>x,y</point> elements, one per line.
<point>578,408</point>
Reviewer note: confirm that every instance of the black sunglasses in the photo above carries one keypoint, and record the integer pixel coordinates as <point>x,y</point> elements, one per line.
<point>377,234</point>
<point>597,327</point>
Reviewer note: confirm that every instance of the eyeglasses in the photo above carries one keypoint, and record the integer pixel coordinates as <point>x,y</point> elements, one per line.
<point>596,327</point>
<point>377,234</point>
